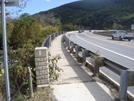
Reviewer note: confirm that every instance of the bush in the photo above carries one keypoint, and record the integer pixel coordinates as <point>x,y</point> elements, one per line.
<point>19,61</point>
<point>53,67</point>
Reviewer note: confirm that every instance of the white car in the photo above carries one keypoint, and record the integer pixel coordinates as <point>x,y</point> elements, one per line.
<point>122,34</point>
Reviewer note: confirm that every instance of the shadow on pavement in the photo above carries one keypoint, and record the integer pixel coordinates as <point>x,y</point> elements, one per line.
<point>93,87</point>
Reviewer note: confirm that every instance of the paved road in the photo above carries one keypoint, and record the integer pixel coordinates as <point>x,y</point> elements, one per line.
<point>75,83</point>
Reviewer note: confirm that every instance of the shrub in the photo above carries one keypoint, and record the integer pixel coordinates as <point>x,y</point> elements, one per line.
<point>53,67</point>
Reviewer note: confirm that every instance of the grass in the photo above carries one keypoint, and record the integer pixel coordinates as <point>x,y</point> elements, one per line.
<point>41,94</point>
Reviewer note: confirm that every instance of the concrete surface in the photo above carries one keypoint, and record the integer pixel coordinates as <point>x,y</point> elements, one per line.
<point>75,82</point>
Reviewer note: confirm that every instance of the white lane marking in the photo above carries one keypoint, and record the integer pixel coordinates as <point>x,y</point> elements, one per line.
<point>106,49</point>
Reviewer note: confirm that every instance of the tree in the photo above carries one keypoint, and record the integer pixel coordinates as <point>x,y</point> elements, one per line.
<point>117,26</point>
<point>48,19</point>
<point>48,30</point>
<point>25,28</point>
<point>68,27</point>
<point>9,29</point>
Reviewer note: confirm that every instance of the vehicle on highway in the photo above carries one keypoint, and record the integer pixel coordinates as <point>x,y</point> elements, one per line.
<point>122,34</point>
<point>80,31</point>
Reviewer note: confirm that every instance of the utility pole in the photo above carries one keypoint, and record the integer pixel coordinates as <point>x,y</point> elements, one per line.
<point>3,20</point>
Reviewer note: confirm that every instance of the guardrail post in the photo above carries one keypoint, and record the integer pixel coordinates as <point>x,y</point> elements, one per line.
<point>48,44</point>
<point>123,85</point>
<point>66,41</point>
<point>77,50</point>
<point>55,35</point>
<point>52,37</point>
<point>69,43</point>
<point>98,63</point>
<point>50,40</point>
<point>84,55</point>
<point>71,47</point>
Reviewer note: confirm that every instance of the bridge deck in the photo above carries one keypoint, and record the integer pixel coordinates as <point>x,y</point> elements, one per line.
<point>75,82</point>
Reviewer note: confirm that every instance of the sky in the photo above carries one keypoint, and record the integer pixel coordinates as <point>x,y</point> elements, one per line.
<point>36,6</point>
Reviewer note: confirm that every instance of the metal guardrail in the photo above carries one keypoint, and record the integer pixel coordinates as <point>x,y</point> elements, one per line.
<point>50,38</point>
<point>126,75</point>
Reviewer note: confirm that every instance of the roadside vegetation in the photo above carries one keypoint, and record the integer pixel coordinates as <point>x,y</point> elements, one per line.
<point>23,35</point>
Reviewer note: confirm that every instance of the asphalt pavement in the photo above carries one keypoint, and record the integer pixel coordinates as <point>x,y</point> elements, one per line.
<point>75,82</point>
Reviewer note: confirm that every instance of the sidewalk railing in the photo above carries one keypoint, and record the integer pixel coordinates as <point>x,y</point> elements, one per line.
<point>92,58</point>
<point>50,38</point>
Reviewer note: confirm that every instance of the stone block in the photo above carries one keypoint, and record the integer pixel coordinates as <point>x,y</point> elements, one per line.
<point>38,82</point>
<point>40,77</point>
<point>41,52</point>
<point>43,59</point>
<point>37,73</point>
<point>46,76</point>
<point>42,72</point>
<point>42,81</point>
<point>46,73</point>
<point>45,67</point>
<point>41,64</point>
<point>46,81</point>
<point>38,68</point>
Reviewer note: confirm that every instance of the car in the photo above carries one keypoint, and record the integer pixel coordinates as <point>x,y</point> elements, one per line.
<point>121,34</point>
<point>80,31</point>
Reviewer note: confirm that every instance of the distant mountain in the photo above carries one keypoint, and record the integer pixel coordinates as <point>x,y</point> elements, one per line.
<point>96,14</point>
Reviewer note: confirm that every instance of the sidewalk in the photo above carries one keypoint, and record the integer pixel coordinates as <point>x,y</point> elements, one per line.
<point>75,83</point>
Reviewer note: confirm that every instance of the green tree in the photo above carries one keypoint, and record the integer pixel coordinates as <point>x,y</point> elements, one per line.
<point>25,28</point>
<point>68,27</point>
<point>48,30</point>
<point>117,26</point>
<point>9,29</point>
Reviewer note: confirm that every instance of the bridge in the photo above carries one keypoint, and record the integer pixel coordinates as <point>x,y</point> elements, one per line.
<point>78,78</point>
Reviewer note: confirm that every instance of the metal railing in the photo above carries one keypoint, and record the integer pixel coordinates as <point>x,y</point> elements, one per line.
<point>88,57</point>
<point>50,38</point>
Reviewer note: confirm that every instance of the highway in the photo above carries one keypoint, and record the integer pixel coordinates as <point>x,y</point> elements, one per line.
<point>121,52</point>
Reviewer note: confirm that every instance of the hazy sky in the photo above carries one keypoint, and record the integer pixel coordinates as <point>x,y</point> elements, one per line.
<point>35,6</point>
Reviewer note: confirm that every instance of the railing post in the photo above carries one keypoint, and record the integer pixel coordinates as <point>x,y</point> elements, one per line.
<point>50,40</point>
<point>66,41</point>
<point>77,50</point>
<point>123,85</point>
<point>54,35</point>
<point>98,63</point>
<point>30,83</point>
<point>71,47</point>
<point>69,42</point>
<point>84,55</point>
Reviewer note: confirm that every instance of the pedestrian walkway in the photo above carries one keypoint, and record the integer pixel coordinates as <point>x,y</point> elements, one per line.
<point>75,83</point>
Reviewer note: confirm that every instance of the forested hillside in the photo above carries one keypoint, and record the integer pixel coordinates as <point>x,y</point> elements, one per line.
<point>96,14</point>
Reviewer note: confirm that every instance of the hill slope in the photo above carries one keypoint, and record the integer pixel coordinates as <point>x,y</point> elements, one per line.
<point>97,14</point>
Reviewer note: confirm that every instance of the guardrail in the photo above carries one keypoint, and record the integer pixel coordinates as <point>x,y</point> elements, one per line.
<point>91,58</point>
<point>50,38</point>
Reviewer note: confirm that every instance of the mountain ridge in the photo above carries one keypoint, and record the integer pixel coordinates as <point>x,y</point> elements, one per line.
<point>96,14</point>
